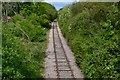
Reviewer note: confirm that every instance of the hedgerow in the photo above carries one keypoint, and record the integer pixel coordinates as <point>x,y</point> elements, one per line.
<point>24,42</point>
<point>92,31</point>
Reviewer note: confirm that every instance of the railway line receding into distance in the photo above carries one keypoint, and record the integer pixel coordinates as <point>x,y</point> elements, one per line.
<point>59,61</point>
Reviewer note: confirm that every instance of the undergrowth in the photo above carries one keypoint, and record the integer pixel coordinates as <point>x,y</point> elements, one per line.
<point>92,31</point>
<point>24,41</point>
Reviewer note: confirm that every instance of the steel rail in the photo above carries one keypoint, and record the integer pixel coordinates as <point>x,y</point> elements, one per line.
<point>72,74</point>
<point>56,61</point>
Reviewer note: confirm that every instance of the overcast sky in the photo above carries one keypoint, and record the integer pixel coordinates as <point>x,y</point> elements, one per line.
<point>59,3</point>
<point>60,0</point>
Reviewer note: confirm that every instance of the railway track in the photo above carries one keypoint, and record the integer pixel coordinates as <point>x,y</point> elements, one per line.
<point>59,61</point>
<point>63,67</point>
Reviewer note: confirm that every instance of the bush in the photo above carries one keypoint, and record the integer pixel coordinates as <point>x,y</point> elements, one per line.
<point>91,30</point>
<point>17,58</point>
<point>24,42</point>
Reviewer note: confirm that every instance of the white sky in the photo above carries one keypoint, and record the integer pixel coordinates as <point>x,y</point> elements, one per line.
<point>60,0</point>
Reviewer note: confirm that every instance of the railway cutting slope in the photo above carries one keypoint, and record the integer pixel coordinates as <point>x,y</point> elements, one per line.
<point>59,61</point>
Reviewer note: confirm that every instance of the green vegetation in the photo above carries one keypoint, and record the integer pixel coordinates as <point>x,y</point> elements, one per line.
<point>24,40</point>
<point>92,30</point>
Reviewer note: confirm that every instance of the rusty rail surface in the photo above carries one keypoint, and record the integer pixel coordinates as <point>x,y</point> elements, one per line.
<point>56,61</point>
<point>54,26</point>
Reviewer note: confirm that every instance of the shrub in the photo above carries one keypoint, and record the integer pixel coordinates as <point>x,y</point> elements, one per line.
<point>91,30</point>
<point>24,42</point>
